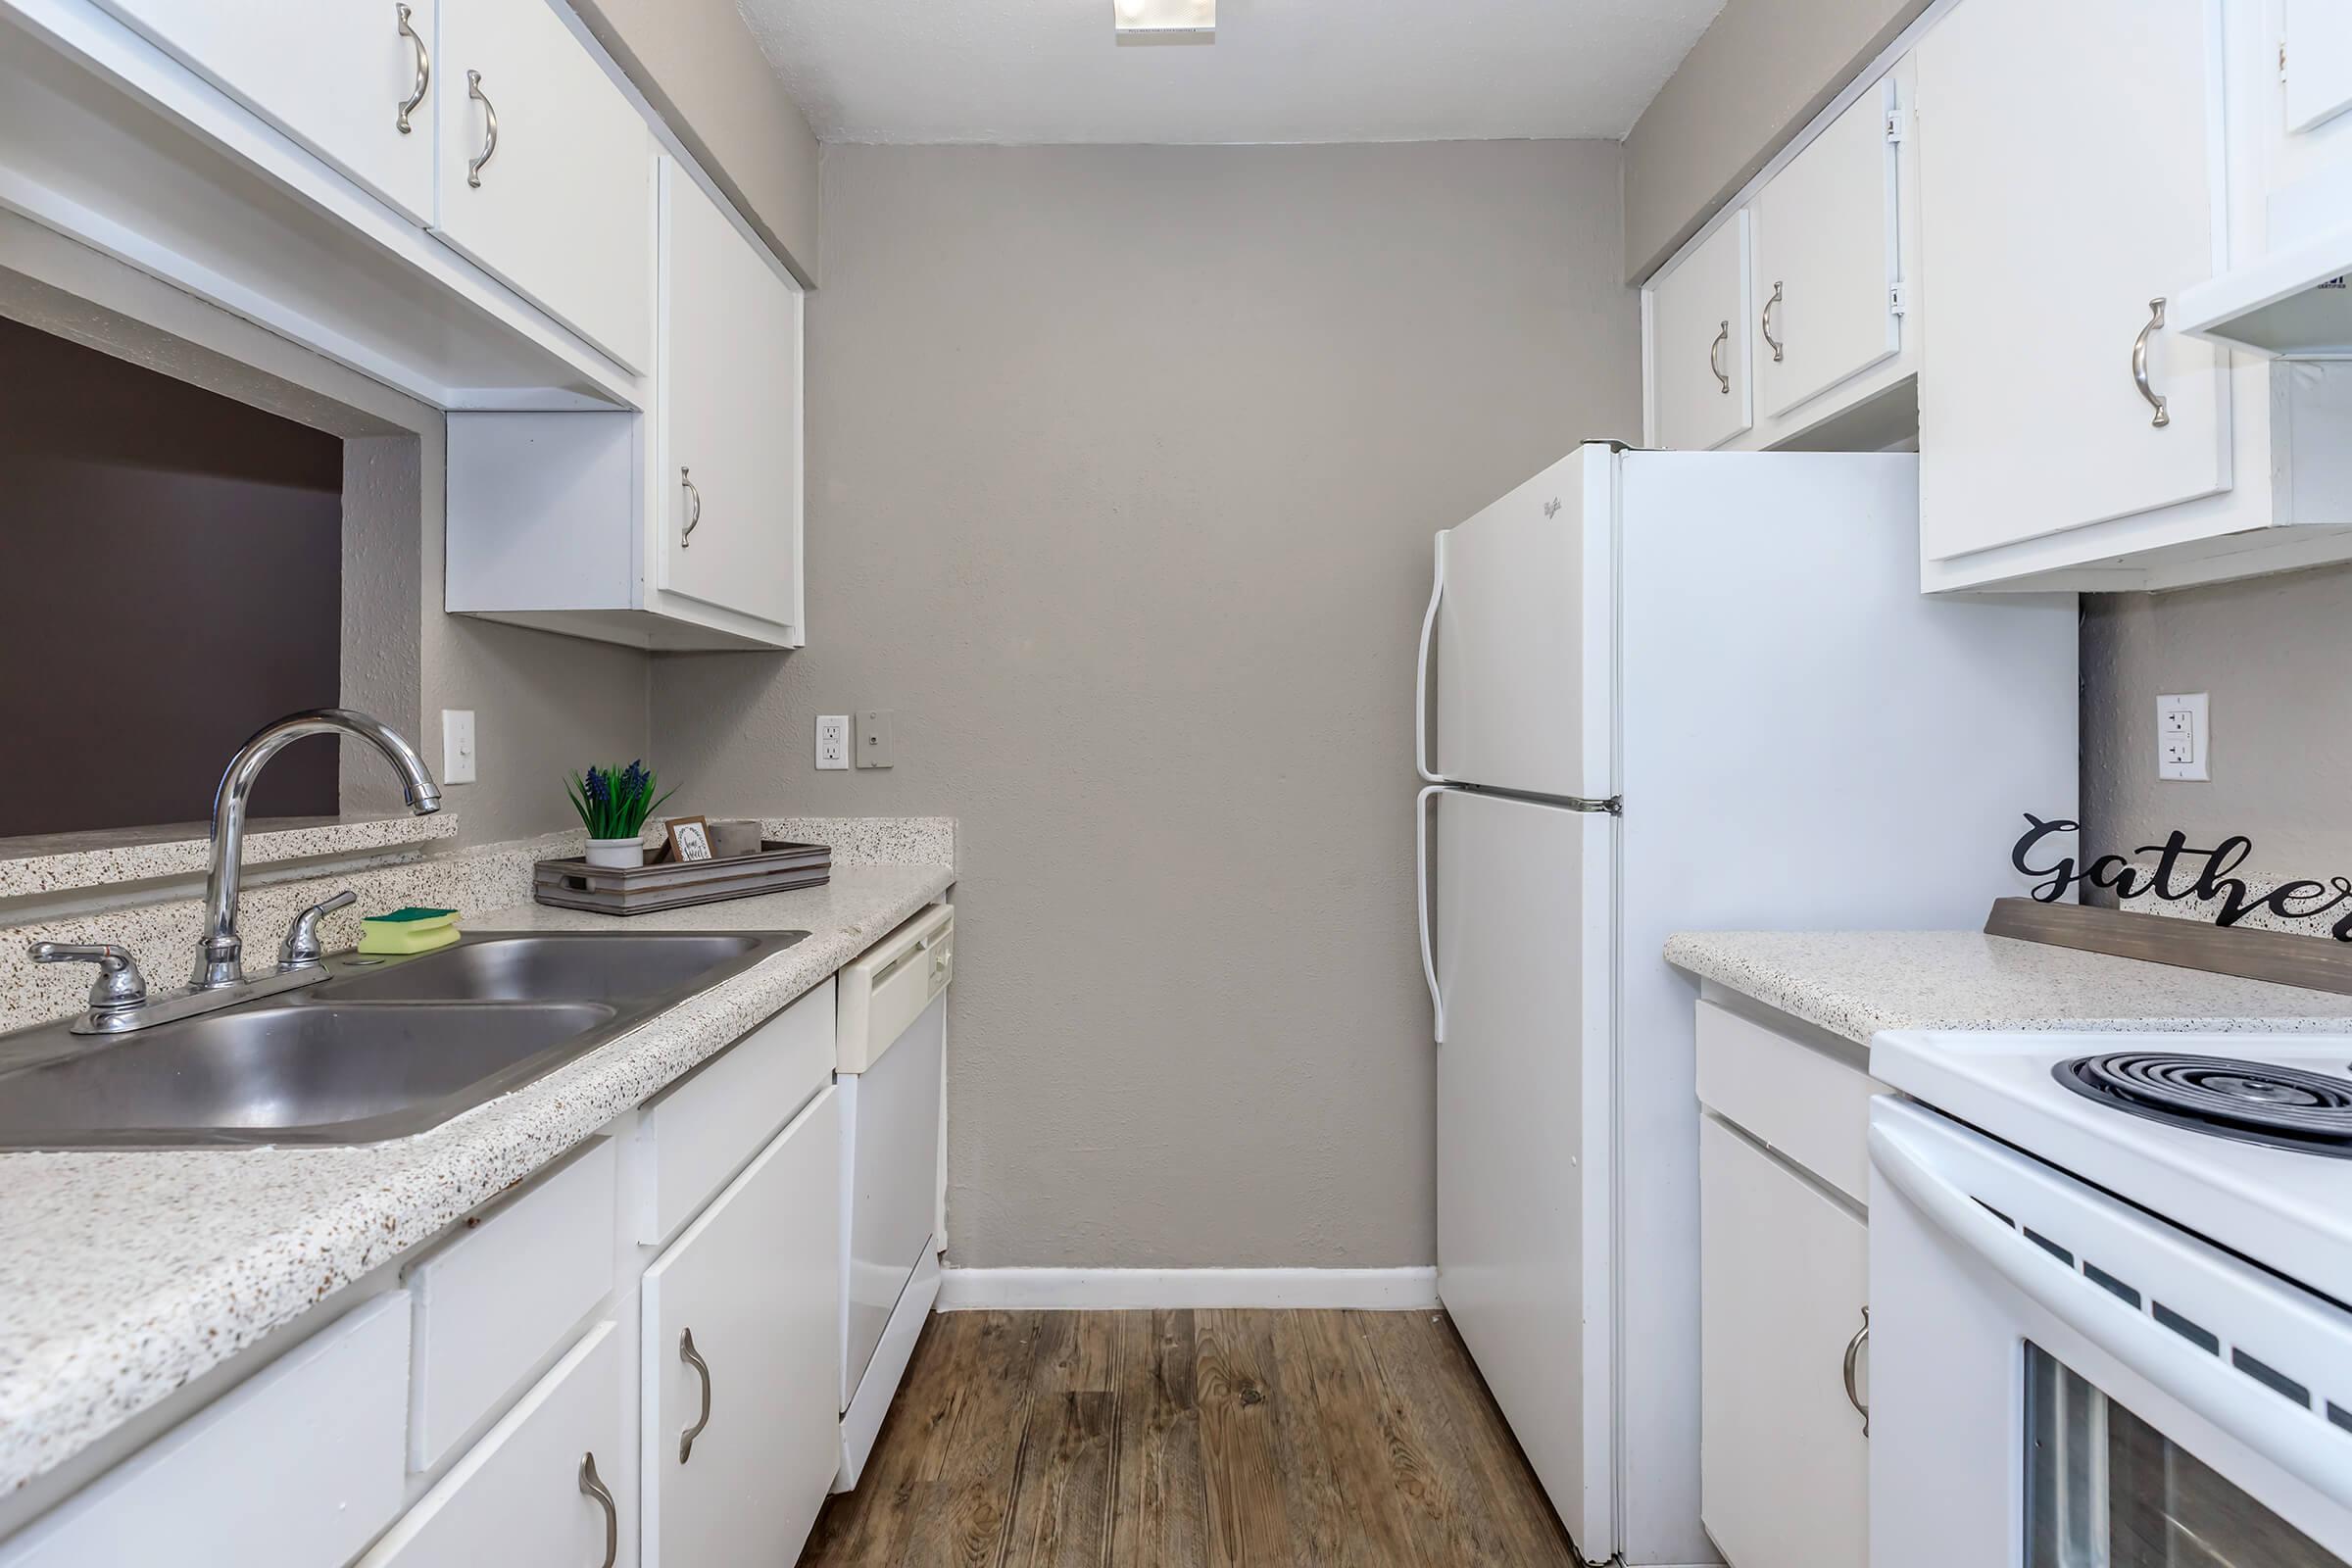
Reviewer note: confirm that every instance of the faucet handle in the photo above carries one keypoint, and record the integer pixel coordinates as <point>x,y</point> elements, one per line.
<point>119,987</point>
<point>301,949</point>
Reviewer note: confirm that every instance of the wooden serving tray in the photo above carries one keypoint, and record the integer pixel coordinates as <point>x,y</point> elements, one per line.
<point>573,884</point>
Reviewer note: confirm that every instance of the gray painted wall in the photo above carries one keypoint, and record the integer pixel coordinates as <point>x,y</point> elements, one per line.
<point>1754,80</point>
<point>2270,652</point>
<point>1123,466</point>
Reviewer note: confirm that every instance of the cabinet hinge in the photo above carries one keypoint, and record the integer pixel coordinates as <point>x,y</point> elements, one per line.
<point>1895,118</point>
<point>1898,300</point>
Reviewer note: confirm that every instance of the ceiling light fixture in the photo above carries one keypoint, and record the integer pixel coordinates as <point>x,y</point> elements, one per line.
<point>1164,15</point>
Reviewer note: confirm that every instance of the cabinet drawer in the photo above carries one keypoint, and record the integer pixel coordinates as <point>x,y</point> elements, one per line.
<point>297,1466</point>
<point>492,1304</point>
<point>517,1499</point>
<point>756,1282</point>
<point>705,1127</point>
<point>1795,1096</point>
<point>1785,1273</point>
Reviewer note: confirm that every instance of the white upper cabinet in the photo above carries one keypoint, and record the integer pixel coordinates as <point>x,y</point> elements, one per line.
<point>728,397</point>
<point>546,170</point>
<point>2070,437</point>
<point>679,528</point>
<point>350,79</point>
<point>2315,62</point>
<point>1700,385</point>
<point>2060,212</point>
<point>1788,324</point>
<point>1826,240</point>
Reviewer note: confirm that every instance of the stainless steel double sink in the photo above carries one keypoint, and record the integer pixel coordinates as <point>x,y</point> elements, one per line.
<point>377,1048</point>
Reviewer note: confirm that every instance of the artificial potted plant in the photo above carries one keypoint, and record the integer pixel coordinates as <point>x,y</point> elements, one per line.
<point>614,803</point>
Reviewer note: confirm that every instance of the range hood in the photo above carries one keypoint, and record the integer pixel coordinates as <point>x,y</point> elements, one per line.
<point>2294,303</point>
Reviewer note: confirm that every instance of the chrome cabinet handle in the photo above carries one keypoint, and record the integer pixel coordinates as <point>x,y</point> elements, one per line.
<point>694,1358</point>
<point>694,510</point>
<point>1853,1352</point>
<point>424,70</point>
<point>2140,364</point>
<point>1771,342</point>
<point>475,166</point>
<point>1714,363</point>
<point>593,1486</point>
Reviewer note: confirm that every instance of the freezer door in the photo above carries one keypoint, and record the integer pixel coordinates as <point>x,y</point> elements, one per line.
<point>1523,958</point>
<point>1523,635</point>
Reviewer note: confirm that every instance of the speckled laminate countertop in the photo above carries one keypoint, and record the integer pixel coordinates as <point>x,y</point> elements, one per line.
<point>1856,983</point>
<point>123,1275</point>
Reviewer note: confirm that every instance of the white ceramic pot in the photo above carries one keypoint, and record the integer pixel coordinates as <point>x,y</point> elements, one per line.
<point>617,853</point>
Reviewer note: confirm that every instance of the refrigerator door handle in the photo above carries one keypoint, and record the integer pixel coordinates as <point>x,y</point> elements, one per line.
<point>1429,958</point>
<point>1429,627</point>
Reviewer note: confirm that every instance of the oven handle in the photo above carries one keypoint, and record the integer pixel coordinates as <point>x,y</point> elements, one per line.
<point>2230,1401</point>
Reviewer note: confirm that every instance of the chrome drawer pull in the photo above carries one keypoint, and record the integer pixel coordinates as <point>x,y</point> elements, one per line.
<point>1853,1352</point>
<point>593,1487</point>
<point>1714,363</point>
<point>424,71</point>
<point>475,166</point>
<point>1771,342</point>
<point>694,1358</point>
<point>2140,364</point>
<point>694,510</point>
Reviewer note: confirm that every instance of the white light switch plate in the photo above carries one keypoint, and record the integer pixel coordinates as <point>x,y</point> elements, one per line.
<point>832,741</point>
<point>2184,738</point>
<point>456,746</point>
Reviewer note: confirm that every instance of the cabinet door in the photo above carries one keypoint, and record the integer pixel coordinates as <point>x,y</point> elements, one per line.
<point>2066,180</point>
<point>1784,1273</point>
<point>757,1283</point>
<point>2318,60</point>
<point>730,401</point>
<point>337,76</point>
<point>518,1498</point>
<point>1698,345</point>
<point>1826,258</point>
<point>558,199</point>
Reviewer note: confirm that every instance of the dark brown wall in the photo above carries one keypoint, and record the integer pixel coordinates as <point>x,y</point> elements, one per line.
<point>171,581</point>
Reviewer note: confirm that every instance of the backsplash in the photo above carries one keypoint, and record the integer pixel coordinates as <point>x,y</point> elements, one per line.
<point>474,881</point>
<point>2270,652</point>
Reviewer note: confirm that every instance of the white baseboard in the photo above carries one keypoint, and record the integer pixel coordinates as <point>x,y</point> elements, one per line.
<point>1098,1290</point>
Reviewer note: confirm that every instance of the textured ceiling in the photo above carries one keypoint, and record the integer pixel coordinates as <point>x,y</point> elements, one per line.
<point>1278,71</point>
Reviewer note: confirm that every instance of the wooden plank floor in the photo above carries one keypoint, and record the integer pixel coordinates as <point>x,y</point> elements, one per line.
<point>1185,1440</point>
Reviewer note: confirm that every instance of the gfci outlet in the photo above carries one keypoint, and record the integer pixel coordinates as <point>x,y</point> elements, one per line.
<point>2183,737</point>
<point>832,740</point>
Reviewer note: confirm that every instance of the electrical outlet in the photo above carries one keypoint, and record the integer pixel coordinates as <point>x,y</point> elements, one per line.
<point>873,738</point>
<point>2184,739</point>
<point>456,746</point>
<point>832,740</point>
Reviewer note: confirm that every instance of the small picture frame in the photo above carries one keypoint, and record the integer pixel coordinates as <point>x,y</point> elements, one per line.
<point>689,839</point>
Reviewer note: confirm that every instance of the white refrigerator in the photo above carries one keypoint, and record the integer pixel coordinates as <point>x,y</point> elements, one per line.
<point>1675,690</point>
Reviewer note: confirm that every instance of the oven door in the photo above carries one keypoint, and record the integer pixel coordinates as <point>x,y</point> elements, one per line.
<point>2058,1380</point>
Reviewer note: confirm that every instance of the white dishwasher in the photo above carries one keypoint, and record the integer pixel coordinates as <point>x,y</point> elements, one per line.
<point>891,1037</point>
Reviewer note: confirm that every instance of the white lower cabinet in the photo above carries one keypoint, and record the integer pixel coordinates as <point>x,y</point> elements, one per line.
<point>549,1486</point>
<point>741,1378</point>
<point>298,1466</point>
<point>1784,1466</point>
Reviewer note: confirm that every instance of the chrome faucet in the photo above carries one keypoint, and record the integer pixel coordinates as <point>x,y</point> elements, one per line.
<point>220,950</point>
<point>120,1000</point>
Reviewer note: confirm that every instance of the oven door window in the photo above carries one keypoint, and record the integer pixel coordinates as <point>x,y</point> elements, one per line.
<point>2106,1489</point>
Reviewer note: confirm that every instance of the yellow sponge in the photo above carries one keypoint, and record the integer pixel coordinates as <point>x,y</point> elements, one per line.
<point>406,931</point>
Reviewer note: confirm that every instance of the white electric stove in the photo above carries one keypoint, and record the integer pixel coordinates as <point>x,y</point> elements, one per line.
<point>2111,1293</point>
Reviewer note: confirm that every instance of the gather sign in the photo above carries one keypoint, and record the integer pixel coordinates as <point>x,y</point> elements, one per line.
<point>2182,873</point>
